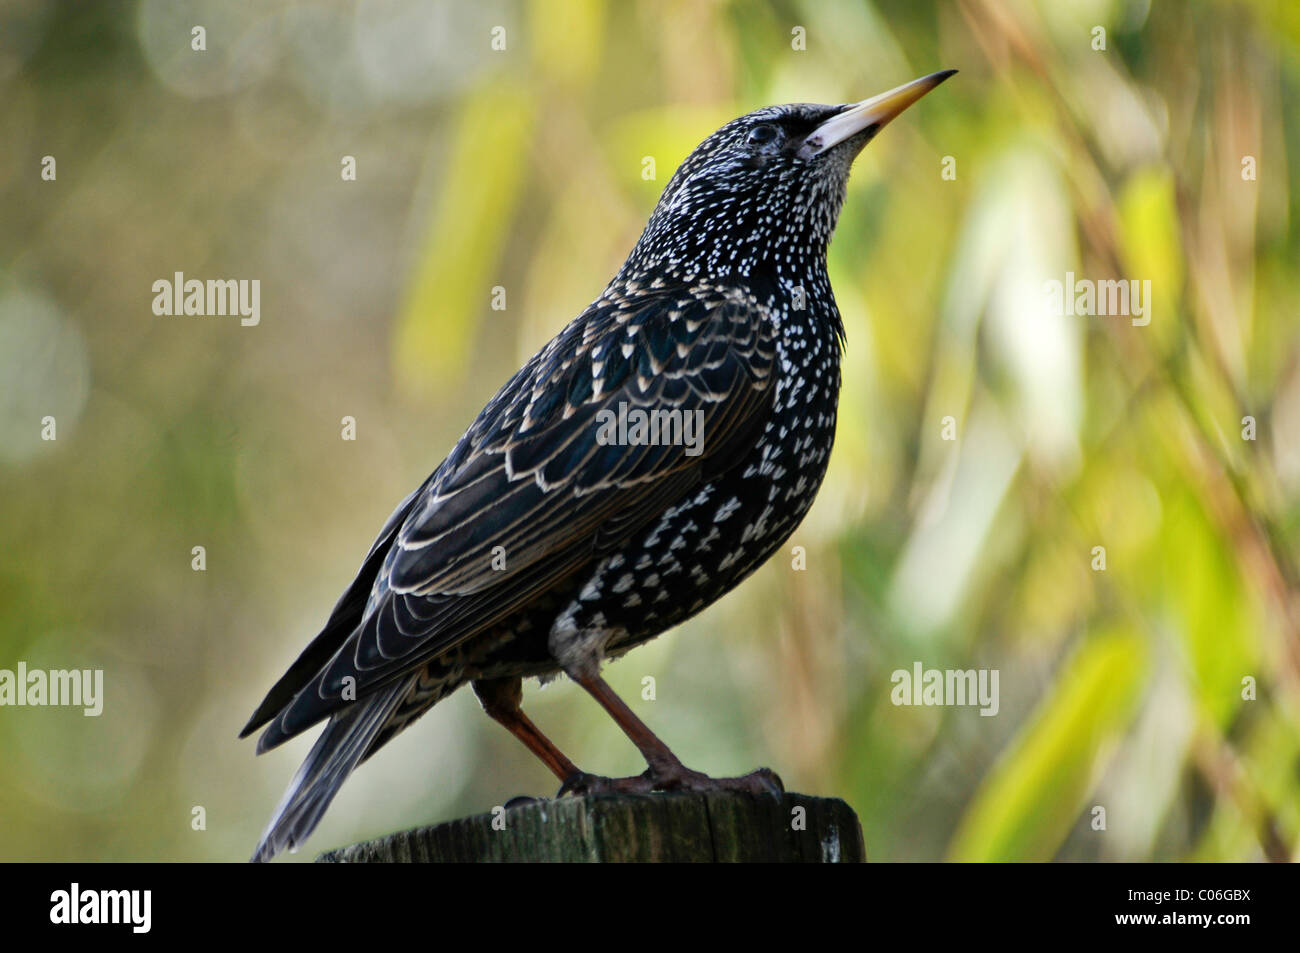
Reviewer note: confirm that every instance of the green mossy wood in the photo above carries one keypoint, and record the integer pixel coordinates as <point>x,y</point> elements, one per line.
<point>721,827</point>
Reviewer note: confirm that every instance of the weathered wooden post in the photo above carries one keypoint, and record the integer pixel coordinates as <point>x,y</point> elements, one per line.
<point>705,828</point>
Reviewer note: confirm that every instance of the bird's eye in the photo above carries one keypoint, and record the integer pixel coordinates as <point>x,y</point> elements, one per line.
<point>761,134</point>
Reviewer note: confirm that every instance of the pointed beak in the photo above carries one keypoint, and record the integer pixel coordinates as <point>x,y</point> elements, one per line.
<point>870,114</point>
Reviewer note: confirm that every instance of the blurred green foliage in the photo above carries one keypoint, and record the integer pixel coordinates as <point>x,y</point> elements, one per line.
<point>521,168</point>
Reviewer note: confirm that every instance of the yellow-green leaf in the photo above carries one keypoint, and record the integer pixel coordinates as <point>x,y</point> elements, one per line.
<point>475,210</point>
<point>1026,806</point>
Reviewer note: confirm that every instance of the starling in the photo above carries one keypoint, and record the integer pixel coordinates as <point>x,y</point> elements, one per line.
<point>563,529</point>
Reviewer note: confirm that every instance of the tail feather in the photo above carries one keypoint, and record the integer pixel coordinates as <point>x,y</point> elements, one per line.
<point>347,739</point>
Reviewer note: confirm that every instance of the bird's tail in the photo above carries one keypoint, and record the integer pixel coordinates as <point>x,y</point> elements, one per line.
<point>347,739</point>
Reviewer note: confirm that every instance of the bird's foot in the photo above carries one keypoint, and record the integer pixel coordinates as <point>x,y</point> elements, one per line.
<point>674,777</point>
<point>681,778</point>
<point>582,783</point>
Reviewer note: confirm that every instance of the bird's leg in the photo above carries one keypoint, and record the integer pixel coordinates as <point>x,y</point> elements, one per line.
<point>666,772</point>
<point>500,698</point>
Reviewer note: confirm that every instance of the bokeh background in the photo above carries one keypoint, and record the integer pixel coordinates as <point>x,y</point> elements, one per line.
<point>522,168</point>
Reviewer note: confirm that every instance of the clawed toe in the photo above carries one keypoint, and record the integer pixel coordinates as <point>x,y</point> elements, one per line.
<point>581,784</point>
<point>762,781</point>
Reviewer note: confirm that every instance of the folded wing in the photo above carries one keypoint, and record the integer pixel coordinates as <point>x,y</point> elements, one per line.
<point>537,483</point>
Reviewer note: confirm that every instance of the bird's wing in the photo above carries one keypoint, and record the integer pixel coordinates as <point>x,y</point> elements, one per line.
<point>533,483</point>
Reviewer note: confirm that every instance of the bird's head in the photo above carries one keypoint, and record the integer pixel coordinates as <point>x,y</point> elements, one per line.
<point>765,190</point>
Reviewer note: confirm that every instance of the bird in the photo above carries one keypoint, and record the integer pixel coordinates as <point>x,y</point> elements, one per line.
<point>641,465</point>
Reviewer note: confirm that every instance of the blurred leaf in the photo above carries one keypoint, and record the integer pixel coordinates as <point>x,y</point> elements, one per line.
<point>479,190</point>
<point>1026,807</point>
<point>567,38</point>
<point>1153,247</point>
<point>1203,591</point>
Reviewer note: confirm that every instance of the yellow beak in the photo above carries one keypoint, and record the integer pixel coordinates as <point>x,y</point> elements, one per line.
<point>873,112</point>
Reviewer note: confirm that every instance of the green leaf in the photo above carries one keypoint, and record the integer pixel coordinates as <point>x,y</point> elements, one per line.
<point>479,190</point>
<point>1025,808</point>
